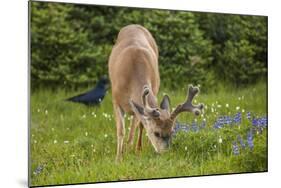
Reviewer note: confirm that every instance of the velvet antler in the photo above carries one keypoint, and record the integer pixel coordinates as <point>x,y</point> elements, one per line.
<point>187,105</point>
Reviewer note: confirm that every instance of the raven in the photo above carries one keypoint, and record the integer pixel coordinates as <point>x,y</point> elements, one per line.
<point>94,96</point>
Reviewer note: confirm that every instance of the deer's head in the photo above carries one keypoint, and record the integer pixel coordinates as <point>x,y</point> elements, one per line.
<point>159,122</point>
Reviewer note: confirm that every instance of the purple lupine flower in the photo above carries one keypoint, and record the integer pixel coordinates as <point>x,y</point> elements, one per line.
<point>180,127</point>
<point>237,118</point>
<point>176,128</point>
<point>255,122</point>
<point>263,121</point>
<point>221,120</point>
<point>235,148</point>
<point>203,124</point>
<point>194,127</point>
<point>259,123</point>
<point>38,170</point>
<point>248,115</point>
<point>240,140</point>
<point>185,128</point>
<point>227,120</point>
<point>250,139</point>
<point>218,125</point>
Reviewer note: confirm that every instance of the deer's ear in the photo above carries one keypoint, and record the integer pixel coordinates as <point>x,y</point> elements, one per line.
<point>137,109</point>
<point>165,104</point>
<point>139,112</point>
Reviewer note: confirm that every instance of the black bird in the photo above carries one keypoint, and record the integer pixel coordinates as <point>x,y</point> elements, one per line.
<point>94,96</point>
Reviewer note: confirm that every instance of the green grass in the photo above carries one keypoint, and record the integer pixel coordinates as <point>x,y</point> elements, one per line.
<point>74,143</point>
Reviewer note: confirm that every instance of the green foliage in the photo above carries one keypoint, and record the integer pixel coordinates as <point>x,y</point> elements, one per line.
<point>239,46</point>
<point>74,143</point>
<point>70,44</point>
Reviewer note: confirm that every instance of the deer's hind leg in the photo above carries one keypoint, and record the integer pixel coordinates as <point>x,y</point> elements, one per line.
<point>139,143</point>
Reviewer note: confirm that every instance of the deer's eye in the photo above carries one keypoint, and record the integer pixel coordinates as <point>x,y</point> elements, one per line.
<point>157,134</point>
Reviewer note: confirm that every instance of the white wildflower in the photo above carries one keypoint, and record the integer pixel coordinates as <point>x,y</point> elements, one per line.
<point>55,141</point>
<point>243,110</point>
<point>66,141</point>
<point>105,135</point>
<point>237,107</point>
<point>46,112</point>
<point>86,133</point>
<point>226,105</point>
<point>219,106</point>
<point>185,148</point>
<point>220,140</point>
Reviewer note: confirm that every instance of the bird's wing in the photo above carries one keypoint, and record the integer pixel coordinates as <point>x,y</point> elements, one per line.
<point>76,98</point>
<point>91,97</point>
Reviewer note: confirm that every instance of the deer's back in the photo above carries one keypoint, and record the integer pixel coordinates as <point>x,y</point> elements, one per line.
<point>133,63</point>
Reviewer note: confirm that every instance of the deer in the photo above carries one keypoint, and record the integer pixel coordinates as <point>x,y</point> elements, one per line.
<point>135,82</point>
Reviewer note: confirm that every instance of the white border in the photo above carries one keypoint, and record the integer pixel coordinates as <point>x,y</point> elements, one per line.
<point>13,94</point>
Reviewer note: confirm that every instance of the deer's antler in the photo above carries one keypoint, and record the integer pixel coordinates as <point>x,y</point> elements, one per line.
<point>187,105</point>
<point>151,111</point>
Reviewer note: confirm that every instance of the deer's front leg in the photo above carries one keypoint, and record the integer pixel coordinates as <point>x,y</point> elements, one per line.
<point>134,124</point>
<point>120,127</point>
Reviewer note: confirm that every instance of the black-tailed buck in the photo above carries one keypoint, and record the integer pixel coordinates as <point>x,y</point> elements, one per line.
<point>134,75</point>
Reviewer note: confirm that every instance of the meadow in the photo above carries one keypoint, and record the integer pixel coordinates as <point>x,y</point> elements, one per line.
<point>72,143</point>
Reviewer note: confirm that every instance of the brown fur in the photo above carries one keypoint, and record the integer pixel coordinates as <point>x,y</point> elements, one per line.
<point>133,63</point>
<point>134,75</point>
